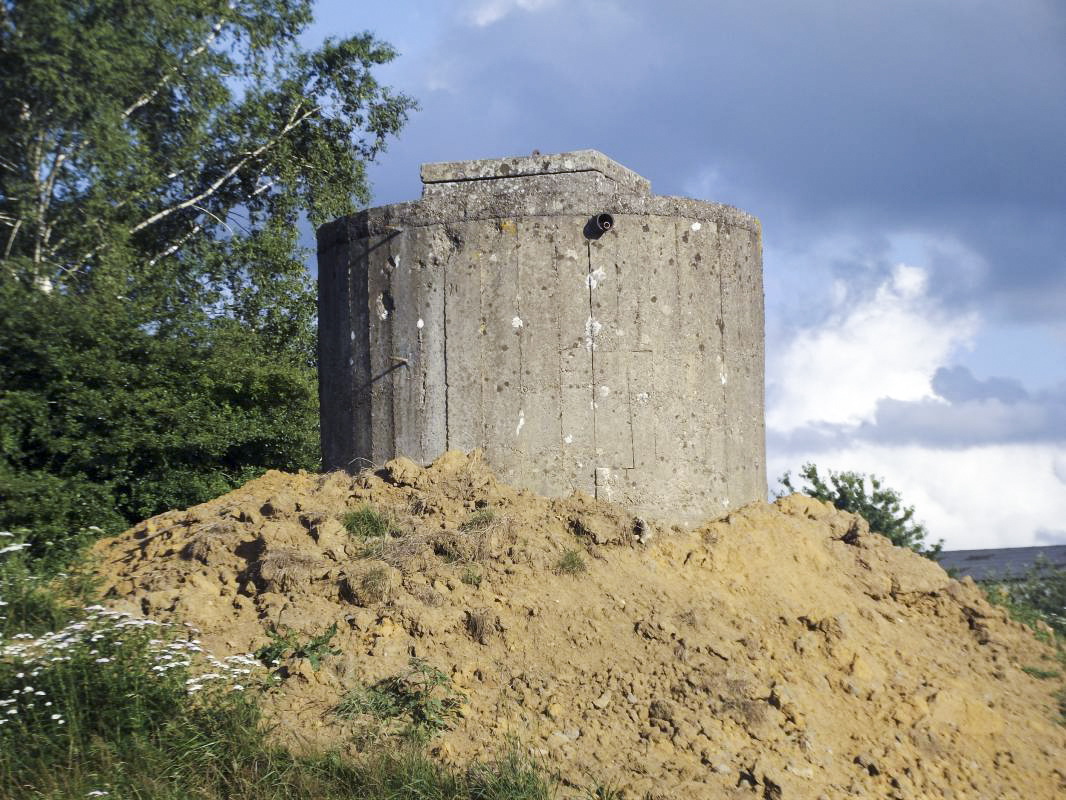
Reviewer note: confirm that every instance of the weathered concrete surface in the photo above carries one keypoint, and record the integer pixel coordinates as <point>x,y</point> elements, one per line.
<point>628,365</point>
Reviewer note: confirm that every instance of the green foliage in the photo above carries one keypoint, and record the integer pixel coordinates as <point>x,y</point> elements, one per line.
<point>571,563</point>
<point>867,496</point>
<point>423,698</point>
<point>366,523</point>
<point>288,644</point>
<point>157,341</point>
<point>1037,597</point>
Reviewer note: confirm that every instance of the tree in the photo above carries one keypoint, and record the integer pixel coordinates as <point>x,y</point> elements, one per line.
<point>879,505</point>
<point>157,342</point>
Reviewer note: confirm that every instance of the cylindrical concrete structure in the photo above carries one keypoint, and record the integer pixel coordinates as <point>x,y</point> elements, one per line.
<point>620,355</point>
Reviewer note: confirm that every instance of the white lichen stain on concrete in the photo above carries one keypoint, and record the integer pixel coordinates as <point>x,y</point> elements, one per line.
<point>724,378</point>
<point>568,439</point>
<point>517,323</point>
<point>571,254</point>
<point>383,313</point>
<point>642,399</point>
<point>595,277</point>
<point>604,391</point>
<point>592,330</point>
<point>353,336</point>
<point>603,479</point>
<point>521,421</point>
<point>696,226</point>
<point>420,324</point>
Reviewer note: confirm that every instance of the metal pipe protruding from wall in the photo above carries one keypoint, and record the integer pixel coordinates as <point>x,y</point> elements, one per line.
<point>598,225</point>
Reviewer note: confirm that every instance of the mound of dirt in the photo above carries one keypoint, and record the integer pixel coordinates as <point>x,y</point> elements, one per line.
<point>782,651</point>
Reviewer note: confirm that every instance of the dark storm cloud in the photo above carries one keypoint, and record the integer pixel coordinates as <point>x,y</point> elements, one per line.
<point>967,412</point>
<point>958,385</point>
<point>943,118</point>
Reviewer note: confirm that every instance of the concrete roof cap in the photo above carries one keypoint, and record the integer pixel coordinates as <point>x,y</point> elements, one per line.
<point>526,166</point>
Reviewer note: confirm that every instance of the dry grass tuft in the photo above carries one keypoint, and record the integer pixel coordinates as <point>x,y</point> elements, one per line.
<point>480,624</point>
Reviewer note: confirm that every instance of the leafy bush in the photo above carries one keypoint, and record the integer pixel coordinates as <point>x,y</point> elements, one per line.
<point>284,645</point>
<point>867,496</point>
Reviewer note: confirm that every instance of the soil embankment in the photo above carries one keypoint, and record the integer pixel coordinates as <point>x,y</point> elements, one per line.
<point>782,651</point>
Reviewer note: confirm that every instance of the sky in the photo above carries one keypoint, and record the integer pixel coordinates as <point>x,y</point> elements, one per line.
<point>907,161</point>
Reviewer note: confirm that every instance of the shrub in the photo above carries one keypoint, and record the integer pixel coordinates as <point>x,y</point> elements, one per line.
<point>879,505</point>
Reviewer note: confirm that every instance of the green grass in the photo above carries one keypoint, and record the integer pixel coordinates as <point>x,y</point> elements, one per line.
<point>1042,674</point>
<point>366,523</point>
<point>422,700</point>
<point>471,577</point>
<point>571,563</point>
<point>480,520</point>
<point>93,702</point>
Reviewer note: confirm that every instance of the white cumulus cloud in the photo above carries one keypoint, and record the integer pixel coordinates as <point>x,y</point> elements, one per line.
<point>887,344</point>
<point>487,12</point>
<point>978,497</point>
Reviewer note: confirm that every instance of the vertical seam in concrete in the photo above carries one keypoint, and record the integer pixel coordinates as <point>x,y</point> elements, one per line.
<point>558,345</point>
<point>592,394</point>
<point>521,328</point>
<point>625,352</point>
<point>629,408</point>
<point>721,355</point>
<point>483,440</point>
<point>389,321</point>
<point>444,305</point>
